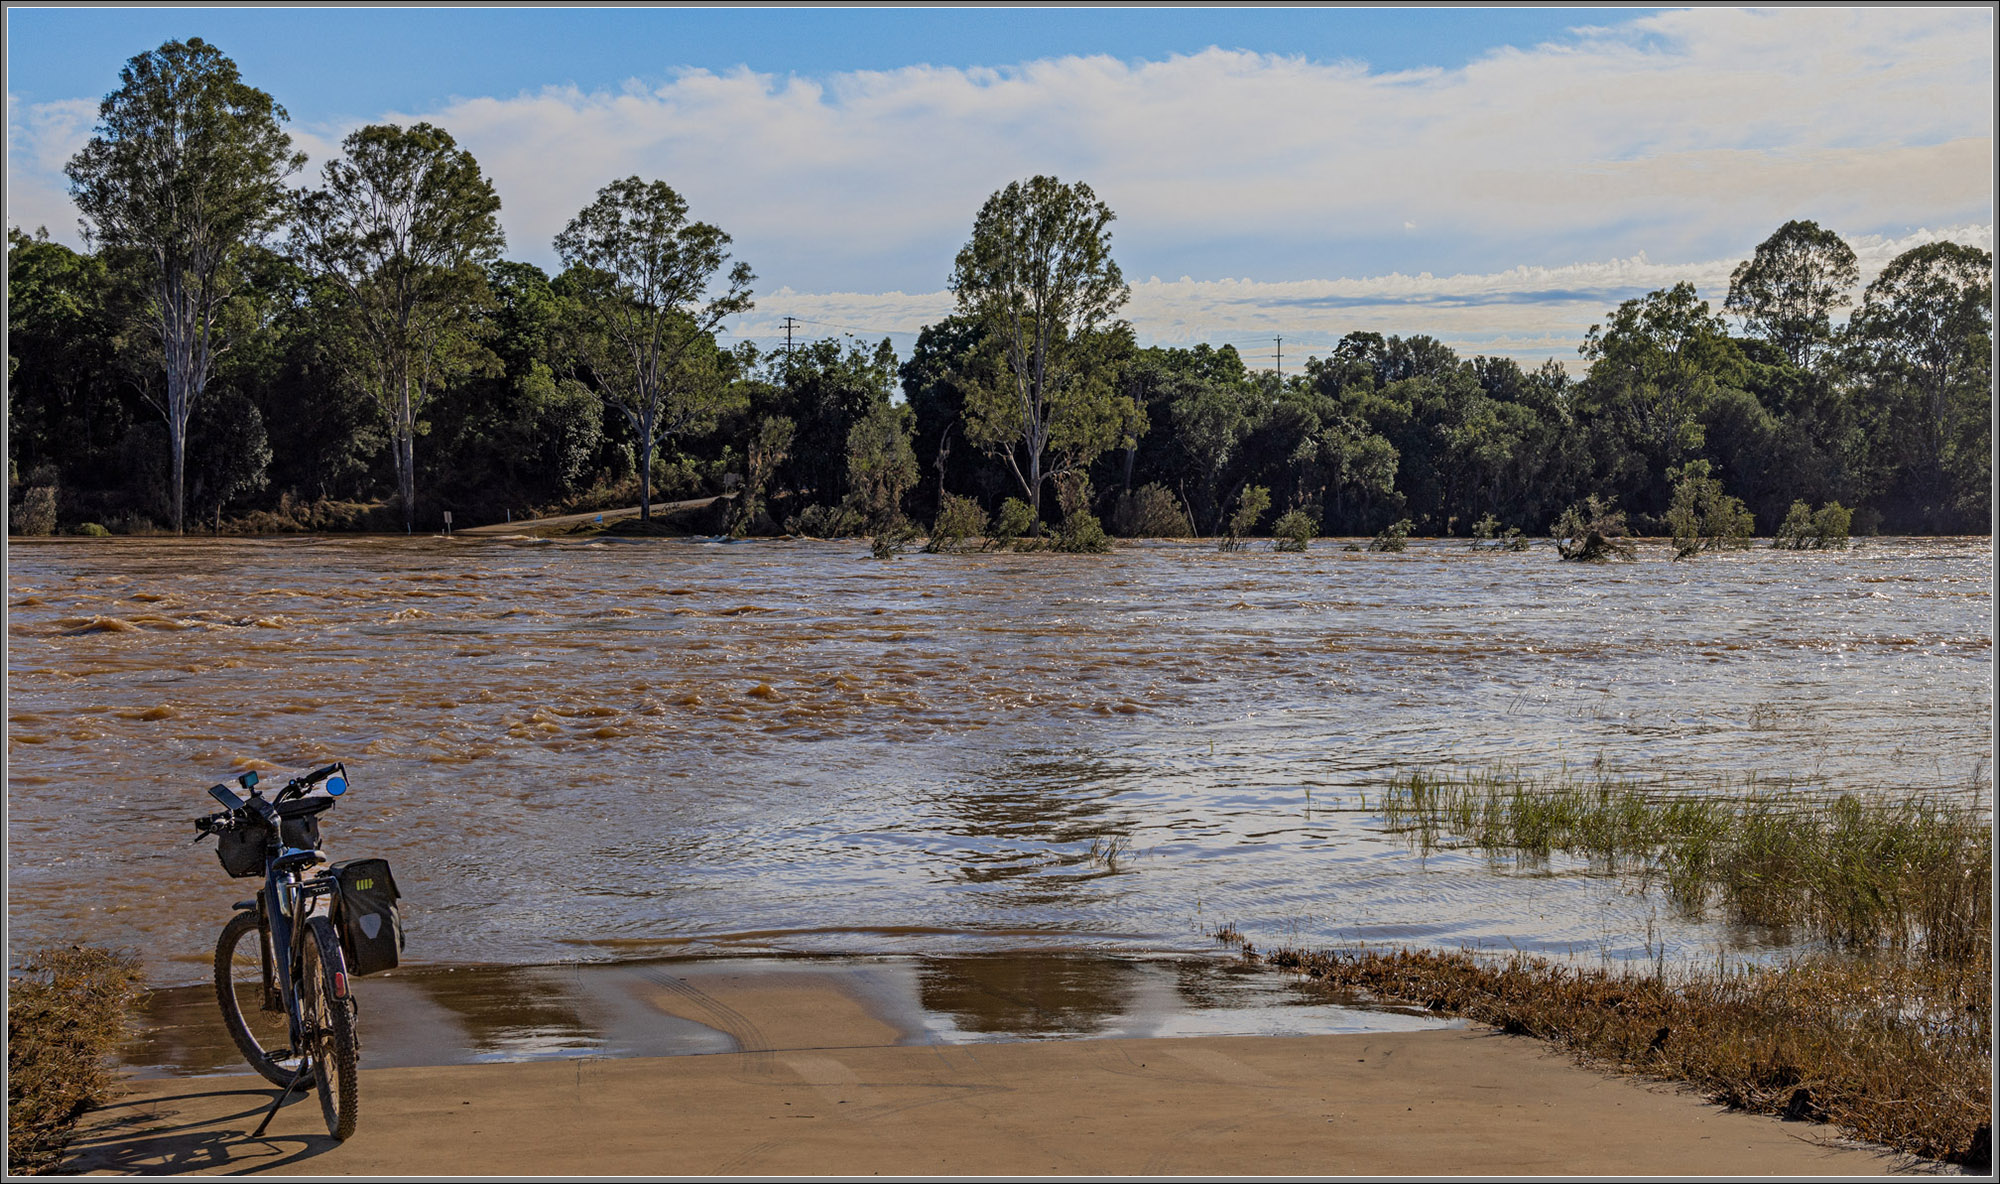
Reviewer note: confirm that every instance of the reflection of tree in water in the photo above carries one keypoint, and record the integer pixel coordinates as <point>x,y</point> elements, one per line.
<point>1036,814</point>
<point>504,1009</point>
<point>1027,993</point>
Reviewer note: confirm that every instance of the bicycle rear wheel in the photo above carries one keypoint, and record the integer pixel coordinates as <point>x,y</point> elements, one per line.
<point>331,1041</point>
<point>261,1035</point>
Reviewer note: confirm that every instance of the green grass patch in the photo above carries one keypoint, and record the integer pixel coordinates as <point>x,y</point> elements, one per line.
<point>1897,873</point>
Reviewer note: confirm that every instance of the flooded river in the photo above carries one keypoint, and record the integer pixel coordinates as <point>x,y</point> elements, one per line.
<point>633,750</point>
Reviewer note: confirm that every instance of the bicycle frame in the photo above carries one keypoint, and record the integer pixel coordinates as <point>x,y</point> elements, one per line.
<point>287,908</point>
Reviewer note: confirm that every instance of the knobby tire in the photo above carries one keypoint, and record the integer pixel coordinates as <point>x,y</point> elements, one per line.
<point>336,1050</point>
<point>239,990</point>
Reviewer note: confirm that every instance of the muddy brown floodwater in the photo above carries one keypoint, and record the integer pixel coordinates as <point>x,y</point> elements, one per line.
<point>626,751</point>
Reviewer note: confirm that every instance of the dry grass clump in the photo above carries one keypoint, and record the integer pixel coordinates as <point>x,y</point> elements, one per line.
<point>295,516</point>
<point>1912,873</point>
<point>1895,1051</point>
<point>66,1012</point>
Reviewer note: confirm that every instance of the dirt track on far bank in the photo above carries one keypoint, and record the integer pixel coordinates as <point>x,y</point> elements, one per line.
<point>532,525</point>
<point>818,1086</point>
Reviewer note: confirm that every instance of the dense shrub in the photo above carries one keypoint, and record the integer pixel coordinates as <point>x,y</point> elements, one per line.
<point>959,521</point>
<point>1149,512</point>
<point>1592,532</point>
<point>1804,530</point>
<point>1295,530</point>
<point>1394,537</point>
<point>66,1012</point>
<point>1016,518</point>
<point>824,522</point>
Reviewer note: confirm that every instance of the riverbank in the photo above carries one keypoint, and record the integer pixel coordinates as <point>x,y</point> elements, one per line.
<point>816,1079</point>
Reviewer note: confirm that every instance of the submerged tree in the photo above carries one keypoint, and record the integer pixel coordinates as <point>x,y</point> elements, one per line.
<point>186,168</point>
<point>1803,530</point>
<point>881,467</point>
<point>1295,531</point>
<point>403,229</point>
<point>768,448</point>
<point>640,274</point>
<point>1250,506</point>
<point>1039,277</point>
<point>1702,517</point>
<point>1592,531</point>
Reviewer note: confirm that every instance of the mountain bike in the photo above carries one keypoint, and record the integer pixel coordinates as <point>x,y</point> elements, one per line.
<point>283,961</point>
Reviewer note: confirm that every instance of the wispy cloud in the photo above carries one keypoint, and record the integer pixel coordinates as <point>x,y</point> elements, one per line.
<point>41,137</point>
<point>1682,136</point>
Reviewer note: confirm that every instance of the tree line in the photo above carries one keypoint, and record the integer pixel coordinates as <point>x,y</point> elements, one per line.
<point>238,352</point>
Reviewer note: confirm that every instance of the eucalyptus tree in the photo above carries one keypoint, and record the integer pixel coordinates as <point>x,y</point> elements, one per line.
<point>1039,277</point>
<point>1655,371</point>
<point>185,168</point>
<point>404,228</point>
<point>641,276</point>
<point>1924,336</point>
<point>1787,291</point>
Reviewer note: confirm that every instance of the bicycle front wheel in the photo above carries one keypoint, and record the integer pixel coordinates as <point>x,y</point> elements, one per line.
<point>261,1034</point>
<point>331,1040</point>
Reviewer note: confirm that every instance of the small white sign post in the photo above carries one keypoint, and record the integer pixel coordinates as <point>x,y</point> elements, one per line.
<point>447,521</point>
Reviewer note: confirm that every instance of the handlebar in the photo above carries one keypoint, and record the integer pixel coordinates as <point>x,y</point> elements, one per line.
<point>298,787</point>
<point>286,803</point>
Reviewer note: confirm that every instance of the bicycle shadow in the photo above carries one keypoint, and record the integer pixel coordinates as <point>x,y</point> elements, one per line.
<point>197,1131</point>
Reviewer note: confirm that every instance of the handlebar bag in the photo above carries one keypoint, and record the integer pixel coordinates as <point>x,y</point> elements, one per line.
<point>301,834</point>
<point>366,916</point>
<point>241,848</point>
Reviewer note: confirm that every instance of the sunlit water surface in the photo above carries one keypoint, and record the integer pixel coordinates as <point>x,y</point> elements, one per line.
<point>616,751</point>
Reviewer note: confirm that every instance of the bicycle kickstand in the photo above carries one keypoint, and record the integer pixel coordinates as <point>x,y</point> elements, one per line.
<point>284,1095</point>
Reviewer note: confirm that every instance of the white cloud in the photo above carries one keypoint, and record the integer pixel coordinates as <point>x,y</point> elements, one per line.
<point>41,137</point>
<point>1673,135</point>
<point>1682,136</point>
<point>1527,313</point>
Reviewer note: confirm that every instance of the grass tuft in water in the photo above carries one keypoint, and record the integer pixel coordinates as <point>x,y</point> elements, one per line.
<point>1911,873</point>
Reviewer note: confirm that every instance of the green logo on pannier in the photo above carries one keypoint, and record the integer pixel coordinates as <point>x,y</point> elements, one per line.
<point>360,885</point>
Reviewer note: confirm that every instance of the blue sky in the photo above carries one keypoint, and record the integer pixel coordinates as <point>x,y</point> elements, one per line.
<point>361,61</point>
<point>1497,178</point>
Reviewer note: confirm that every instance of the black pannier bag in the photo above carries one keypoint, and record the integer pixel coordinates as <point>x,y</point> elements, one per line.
<point>365,913</point>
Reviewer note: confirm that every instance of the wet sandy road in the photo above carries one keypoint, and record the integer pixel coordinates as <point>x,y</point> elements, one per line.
<point>622,750</point>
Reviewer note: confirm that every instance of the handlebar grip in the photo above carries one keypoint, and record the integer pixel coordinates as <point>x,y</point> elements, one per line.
<point>319,775</point>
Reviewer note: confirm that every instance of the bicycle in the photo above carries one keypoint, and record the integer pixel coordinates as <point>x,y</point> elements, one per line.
<point>293,1017</point>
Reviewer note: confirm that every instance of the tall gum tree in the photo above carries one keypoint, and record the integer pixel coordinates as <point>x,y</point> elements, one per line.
<point>1039,278</point>
<point>1787,291</point>
<point>640,275</point>
<point>404,228</point>
<point>185,169</point>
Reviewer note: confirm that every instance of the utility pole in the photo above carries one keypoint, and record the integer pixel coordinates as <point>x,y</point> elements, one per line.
<point>789,322</point>
<point>1281,359</point>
